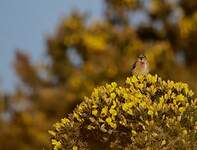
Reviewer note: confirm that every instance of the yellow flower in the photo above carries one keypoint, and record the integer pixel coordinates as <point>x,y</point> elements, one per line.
<point>114,104</point>
<point>190,93</point>
<point>94,112</point>
<point>181,109</point>
<point>75,115</point>
<point>104,111</point>
<point>138,95</point>
<point>108,120</point>
<point>114,84</point>
<point>125,96</point>
<point>170,84</point>
<point>113,112</point>
<point>128,81</point>
<point>112,95</point>
<point>57,126</point>
<point>151,79</point>
<point>141,86</point>
<point>161,100</point>
<point>52,133</point>
<point>65,120</point>
<point>56,144</point>
<point>113,125</point>
<point>134,79</point>
<point>90,127</point>
<point>143,104</point>
<point>75,147</point>
<point>150,112</point>
<point>180,98</point>
<point>152,90</point>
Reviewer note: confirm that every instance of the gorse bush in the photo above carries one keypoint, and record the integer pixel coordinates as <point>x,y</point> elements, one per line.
<point>144,113</point>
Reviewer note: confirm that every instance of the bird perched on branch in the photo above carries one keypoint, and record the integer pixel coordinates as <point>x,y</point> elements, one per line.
<point>141,66</point>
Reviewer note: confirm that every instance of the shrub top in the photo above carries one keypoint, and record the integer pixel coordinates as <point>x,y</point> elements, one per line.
<point>145,113</point>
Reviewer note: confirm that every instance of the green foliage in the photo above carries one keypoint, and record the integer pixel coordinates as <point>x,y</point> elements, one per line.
<point>147,112</point>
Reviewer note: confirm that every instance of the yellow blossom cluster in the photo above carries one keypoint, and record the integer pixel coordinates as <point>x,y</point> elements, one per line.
<point>145,112</point>
<point>188,26</point>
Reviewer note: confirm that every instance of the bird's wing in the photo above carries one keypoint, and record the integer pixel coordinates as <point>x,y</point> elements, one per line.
<point>134,65</point>
<point>133,68</point>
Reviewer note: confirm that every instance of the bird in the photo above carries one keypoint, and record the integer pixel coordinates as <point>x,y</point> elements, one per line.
<point>141,66</point>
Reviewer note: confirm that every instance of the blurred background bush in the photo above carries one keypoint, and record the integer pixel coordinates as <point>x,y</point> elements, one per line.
<point>83,54</point>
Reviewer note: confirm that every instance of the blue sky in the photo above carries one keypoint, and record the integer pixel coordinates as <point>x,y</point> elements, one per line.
<point>24,24</point>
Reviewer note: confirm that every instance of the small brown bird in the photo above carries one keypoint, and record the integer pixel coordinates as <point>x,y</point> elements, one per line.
<point>141,66</point>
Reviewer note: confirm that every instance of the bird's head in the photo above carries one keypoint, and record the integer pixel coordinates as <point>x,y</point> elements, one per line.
<point>142,59</point>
